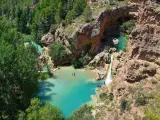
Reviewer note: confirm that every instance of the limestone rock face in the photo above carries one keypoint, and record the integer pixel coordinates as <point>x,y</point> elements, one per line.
<point>100,59</point>
<point>94,33</point>
<point>83,34</point>
<point>111,50</point>
<point>86,59</point>
<point>47,39</point>
<point>141,63</point>
<point>44,59</point>
<point>137,70</point>
<point>76,36</point>
<point>144,46</point>
<point>145,41</point>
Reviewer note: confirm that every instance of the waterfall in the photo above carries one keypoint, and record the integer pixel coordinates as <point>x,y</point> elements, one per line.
<point>109,75</point>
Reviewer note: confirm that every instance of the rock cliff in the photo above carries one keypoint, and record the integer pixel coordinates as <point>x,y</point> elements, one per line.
<point>138,72</point>
<point>76,36</point>
<point>144,44</point>
<point>94,33</point>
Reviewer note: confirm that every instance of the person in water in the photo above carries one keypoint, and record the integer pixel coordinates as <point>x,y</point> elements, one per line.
<point>73,74</point>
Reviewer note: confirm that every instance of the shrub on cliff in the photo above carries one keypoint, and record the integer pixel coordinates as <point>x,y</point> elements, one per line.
<point>140,99</point>
<point>43,76</point>
<point>152,111</point>
<point>53,28</point>
<point>69,17</point>
<point>128,26</point>
<point>57,52</point>
<point>106,97</point>
<point>87,13</point>
<point>125,105</point>
<point>77,63</point>
<point>84,113</point>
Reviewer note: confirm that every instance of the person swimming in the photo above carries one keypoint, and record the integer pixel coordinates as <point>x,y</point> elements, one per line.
<point>73,74</point>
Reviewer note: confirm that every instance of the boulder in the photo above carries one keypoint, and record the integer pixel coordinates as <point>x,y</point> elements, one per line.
<point>111,50</point>
<point>47,39</point>
<point>86,59</point>
<point>100,59</point>
<point>115,41</point>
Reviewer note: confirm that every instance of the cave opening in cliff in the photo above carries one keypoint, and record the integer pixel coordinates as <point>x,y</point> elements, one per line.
<point>113,31</point>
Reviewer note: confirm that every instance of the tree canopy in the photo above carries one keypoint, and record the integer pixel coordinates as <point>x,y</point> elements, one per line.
<point>18,72</point>
<point>38,112</point>
<point>58,53</point>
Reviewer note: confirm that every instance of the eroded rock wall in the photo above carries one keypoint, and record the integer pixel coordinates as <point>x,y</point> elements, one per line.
<point>94,33</point>
<point>77,36</point>
<point>139,69</point>
<point>143,51</point>
<point>144,43</point>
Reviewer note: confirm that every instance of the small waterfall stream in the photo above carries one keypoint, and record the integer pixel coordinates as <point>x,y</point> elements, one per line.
<point>109,75</point>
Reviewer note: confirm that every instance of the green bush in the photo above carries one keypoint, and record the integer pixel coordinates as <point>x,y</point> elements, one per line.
<point>140,99</point>
<point>87,13</point>
<point>69,17</point>
<point>43,75</point>
<point>38,112</point>
<point>136,117</point>
<point>152,110</point>
<point>106,96</point>
<point>128,26</point>
<point>83,113</point>
<point>77,64</point>
<point>126,36</point>
<point>90,64</point>
<point>125,105</point>
<point>53,28</point>
<point>57,53</point>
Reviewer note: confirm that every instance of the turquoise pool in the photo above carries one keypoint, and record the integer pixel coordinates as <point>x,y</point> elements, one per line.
<point>68,92</point>
<point>38,47</point>
<point>122,43</point>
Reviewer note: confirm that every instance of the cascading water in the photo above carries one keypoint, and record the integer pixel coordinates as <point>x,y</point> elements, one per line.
<point>109,75</point>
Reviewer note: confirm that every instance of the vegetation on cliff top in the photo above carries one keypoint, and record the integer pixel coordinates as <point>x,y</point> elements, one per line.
<point>38,112</point>
<point>36,18</point>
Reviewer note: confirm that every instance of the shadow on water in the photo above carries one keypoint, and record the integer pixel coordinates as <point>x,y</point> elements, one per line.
<point>46,84</point>
<point>46,92</point>
<point>54,77</point>
<point>47,97</point>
